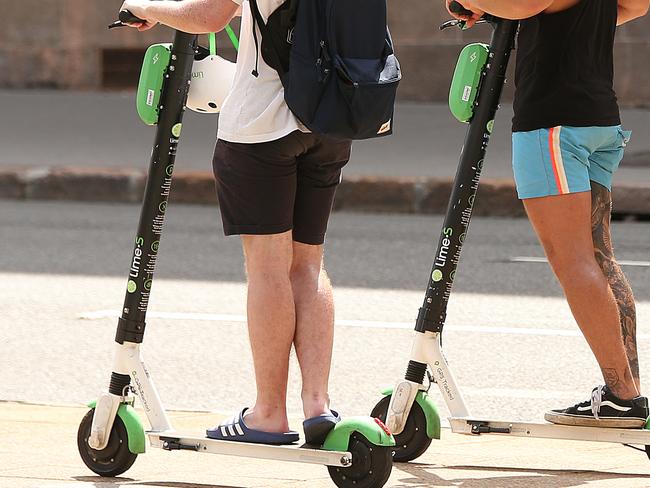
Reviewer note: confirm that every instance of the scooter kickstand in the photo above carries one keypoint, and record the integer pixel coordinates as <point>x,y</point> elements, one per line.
<point>479,428</point>
<point>172,444</point>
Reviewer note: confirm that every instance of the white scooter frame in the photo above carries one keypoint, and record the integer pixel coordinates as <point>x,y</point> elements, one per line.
<point>427,350</point>
<point>128,362</point>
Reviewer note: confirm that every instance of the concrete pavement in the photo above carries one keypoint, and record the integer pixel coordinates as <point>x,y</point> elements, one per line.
<point>506,325</point>
<point>63,276</point>
<point>38,450</point>
<point>92,147</point>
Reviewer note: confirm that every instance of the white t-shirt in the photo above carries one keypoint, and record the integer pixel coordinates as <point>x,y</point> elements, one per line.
<point>255,110</point>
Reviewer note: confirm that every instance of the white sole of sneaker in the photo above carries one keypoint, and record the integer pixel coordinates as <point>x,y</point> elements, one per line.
<point>606,422</point>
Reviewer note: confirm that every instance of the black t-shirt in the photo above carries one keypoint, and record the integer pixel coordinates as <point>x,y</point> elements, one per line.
<point>565,68</point>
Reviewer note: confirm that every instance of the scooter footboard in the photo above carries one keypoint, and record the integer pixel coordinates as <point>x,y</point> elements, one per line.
<point>545,430</point>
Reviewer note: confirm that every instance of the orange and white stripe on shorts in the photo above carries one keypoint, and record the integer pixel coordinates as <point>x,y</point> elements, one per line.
<point>557,160</point>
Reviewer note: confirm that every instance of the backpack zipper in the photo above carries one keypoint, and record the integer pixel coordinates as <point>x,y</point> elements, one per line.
<point>324,69</point>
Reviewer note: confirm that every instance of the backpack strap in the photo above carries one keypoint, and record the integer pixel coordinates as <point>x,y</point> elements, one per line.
<point>259,20</point>
<point>289,17</point>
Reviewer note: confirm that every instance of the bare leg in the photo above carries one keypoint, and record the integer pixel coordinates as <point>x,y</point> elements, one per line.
<point>601,211</point>
<point>563,225</point>
<point>312,293</point>
<point>271,326</point>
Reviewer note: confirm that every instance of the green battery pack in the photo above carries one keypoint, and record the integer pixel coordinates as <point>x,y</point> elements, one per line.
<point>467,79</point>
<point>152,77</point>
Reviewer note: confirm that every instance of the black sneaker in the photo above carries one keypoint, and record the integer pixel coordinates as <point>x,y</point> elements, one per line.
<point>603,409</point>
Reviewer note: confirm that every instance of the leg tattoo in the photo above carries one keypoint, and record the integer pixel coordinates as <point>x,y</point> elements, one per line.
<point>601,211</point>
<point>611,378</point>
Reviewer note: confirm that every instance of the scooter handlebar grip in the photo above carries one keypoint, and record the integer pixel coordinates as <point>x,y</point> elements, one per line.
<point>128,18</point>
<point>457,8</point>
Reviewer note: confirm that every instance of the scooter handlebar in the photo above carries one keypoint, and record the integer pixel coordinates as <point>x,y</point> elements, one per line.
<point>126,17</point>
<point>457,8</point>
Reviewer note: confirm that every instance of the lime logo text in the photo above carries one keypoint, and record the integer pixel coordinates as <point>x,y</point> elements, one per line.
<point>134,271</point>
<point>441,259</point>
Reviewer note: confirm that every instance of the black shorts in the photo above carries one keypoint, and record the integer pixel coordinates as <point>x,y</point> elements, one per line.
<point>273,187</point>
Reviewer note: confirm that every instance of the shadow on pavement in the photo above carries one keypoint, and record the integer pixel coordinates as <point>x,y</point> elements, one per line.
<point>423,476</point>
<point>100,482</point>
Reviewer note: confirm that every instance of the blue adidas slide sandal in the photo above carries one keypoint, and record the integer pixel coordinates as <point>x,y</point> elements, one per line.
<point>317,428</point>
<point>236,430</point>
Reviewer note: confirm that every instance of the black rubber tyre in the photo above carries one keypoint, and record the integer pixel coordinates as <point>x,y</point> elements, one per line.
<point>115,458</point>
<point>371,465</point>
<point>413,441</point>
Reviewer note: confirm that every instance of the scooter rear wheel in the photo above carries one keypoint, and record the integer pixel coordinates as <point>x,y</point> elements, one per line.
<point>371,465</point>
<point>115,458</point>
<point>413,441</point>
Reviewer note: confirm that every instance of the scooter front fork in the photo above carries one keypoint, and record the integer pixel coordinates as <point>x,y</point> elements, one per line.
<point>128,367</point>
<point>426,352</point>
<point>105,411</point>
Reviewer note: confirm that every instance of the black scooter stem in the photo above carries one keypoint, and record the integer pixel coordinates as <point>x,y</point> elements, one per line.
<point>434,310</point>
<point>131,325</point>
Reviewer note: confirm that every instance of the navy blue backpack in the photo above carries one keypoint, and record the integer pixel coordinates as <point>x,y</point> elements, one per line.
<point>336,62</point>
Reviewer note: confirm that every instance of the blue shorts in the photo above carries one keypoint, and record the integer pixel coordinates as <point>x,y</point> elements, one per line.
<point>564,160</point>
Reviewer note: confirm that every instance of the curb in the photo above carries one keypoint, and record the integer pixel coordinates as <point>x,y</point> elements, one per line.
<point>496,198</point>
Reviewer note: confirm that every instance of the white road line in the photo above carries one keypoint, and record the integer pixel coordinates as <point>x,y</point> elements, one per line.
<point>188,316</point>
<point>525,259</point>
<point>525,394</point>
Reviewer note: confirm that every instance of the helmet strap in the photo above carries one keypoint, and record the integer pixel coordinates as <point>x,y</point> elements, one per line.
<point>212,37</point>
<point>213,43</point>
<point>233,37</point>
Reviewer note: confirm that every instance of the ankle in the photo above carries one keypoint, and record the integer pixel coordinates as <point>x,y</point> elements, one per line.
<point>315,404</point>
<point>267,419</point>
<point>624,393</point>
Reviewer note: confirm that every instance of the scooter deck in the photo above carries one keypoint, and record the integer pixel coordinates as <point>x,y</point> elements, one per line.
<point>546,430</point>
<point>173,440</point>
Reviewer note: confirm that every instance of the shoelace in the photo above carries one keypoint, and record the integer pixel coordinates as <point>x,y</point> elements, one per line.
<point>597,400</point>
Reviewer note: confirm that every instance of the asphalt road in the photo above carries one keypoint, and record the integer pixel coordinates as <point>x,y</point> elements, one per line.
<point>55,128</point>
<point>363,250</point>
<point>510,338</point>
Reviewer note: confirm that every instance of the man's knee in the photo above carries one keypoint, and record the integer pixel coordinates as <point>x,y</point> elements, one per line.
<point>268,255</point>
<point>305,274</point>
<point>578,273</point>
<point>307,264</point>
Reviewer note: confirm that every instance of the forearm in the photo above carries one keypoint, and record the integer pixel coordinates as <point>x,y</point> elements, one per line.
<point>631,9</point>
<point>507,9</point>
<point>192,16</point>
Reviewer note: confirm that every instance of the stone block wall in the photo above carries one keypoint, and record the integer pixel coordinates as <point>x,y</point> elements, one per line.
<point>63,44</point>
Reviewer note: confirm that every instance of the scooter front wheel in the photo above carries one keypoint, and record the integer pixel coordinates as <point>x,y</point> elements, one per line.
<point>371,465</point>
<point>115,458</point>
<point>413,441</point>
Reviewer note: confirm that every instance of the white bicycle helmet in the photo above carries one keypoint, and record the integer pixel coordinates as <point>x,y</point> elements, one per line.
<point>212,78</point>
